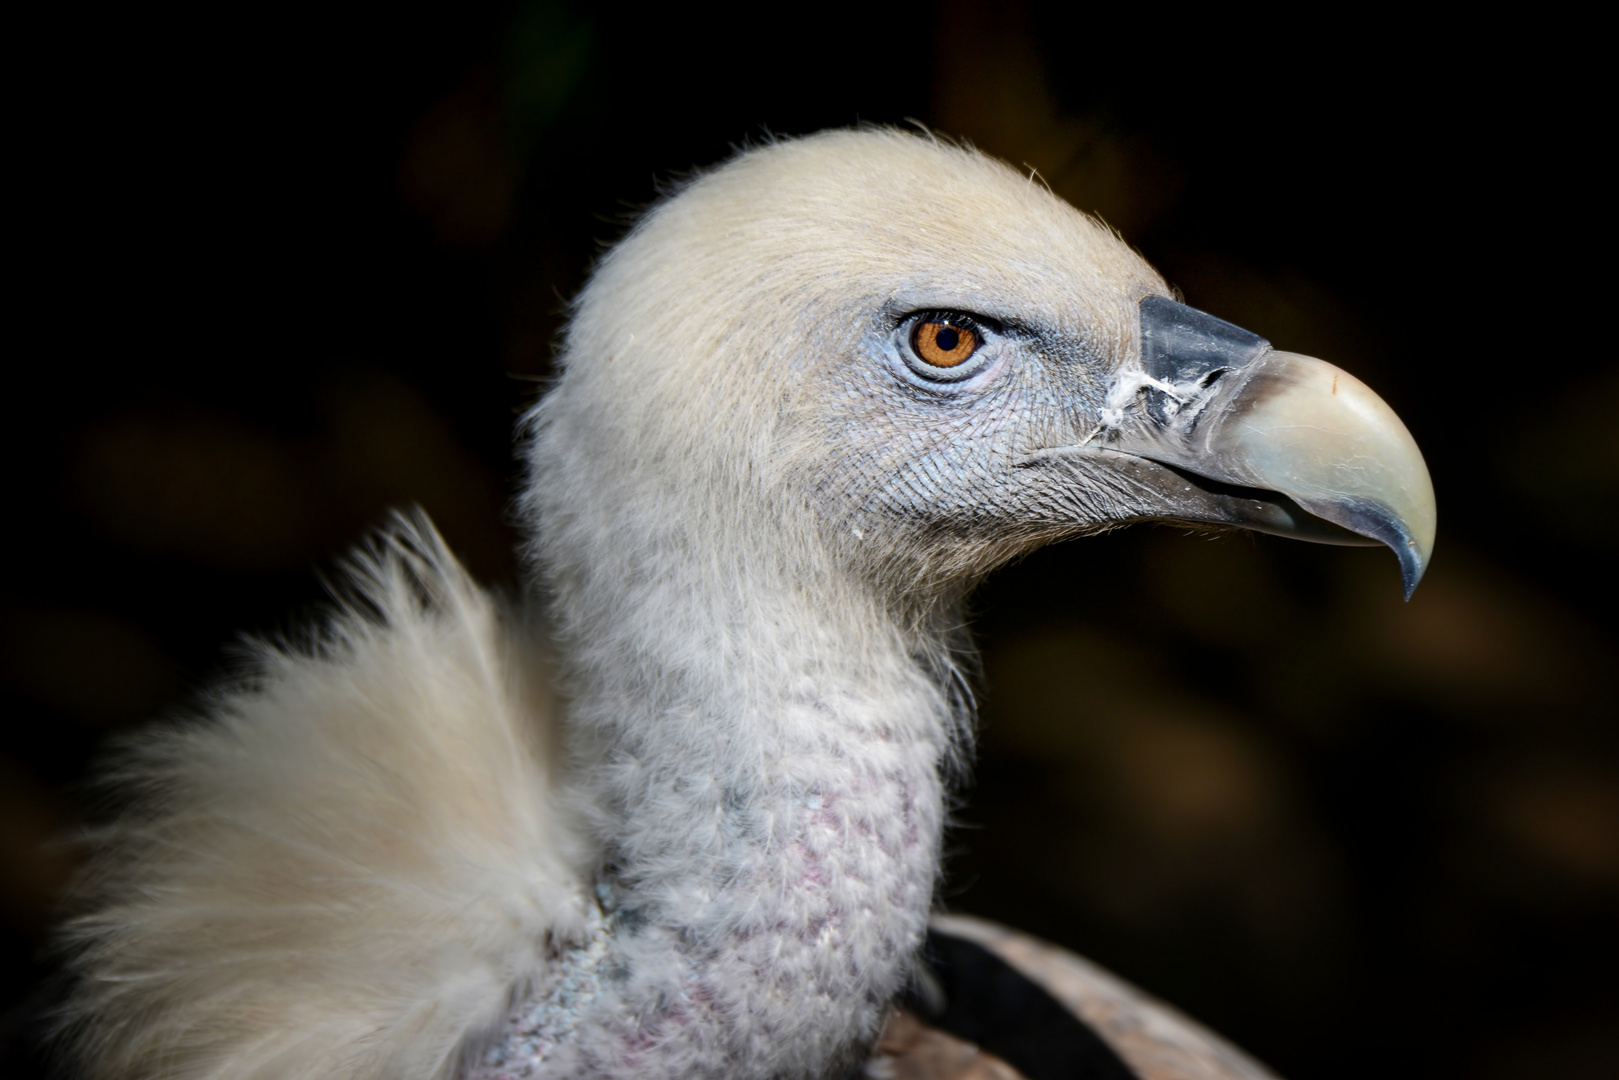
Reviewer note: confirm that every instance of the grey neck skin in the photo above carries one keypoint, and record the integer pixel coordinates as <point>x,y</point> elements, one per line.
<point>763,779</point>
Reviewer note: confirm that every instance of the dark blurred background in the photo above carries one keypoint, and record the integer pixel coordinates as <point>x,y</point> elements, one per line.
<point>282,269</point>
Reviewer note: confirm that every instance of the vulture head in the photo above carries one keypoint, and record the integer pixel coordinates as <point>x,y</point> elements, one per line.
<point>885,362</point>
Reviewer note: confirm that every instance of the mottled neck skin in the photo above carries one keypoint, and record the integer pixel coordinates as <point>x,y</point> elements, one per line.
<point>765,786</point>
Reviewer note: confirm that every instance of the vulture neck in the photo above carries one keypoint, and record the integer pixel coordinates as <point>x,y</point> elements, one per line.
<point>759,746</point>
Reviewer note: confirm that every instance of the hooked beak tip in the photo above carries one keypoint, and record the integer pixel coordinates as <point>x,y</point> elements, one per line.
<point>1413,564</point>
<point>1313,431</point>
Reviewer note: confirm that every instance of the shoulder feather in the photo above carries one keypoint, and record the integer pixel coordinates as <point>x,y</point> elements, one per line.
<point>350,864</point>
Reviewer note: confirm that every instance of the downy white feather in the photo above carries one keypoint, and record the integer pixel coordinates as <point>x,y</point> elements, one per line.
<point>353,863</point>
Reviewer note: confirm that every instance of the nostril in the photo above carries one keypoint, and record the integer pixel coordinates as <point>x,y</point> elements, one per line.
<point>1211,377</point>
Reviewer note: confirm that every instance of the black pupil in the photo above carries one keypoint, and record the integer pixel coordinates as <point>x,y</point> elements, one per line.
<point>947,339</point>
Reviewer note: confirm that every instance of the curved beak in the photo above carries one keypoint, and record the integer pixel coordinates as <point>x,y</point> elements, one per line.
<point>1276,432</point>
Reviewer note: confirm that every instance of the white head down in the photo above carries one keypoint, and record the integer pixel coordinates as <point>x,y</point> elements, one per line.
<point>742,376</point>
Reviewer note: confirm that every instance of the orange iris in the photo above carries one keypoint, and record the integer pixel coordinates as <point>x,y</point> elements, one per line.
<point>944,344</point>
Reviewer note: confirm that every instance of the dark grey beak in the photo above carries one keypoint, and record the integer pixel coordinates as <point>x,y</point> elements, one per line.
<point>1265,440</point>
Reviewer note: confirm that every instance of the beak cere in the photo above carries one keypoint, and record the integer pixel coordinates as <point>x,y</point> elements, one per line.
<point>1221,405</point>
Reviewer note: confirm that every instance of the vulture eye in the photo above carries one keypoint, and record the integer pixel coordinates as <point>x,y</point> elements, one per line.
<point>944,341</point>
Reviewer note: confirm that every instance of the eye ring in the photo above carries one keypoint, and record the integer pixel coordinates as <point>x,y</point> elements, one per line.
<point>945,341</point>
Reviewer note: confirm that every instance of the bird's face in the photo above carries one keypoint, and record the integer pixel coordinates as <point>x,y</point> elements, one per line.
<point>947,365</point>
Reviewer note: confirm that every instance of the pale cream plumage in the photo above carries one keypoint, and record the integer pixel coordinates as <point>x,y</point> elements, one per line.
<point>354,862</point>
<point>756,511</point>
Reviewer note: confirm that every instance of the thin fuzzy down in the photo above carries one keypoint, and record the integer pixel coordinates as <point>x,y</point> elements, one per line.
<point>350,863</point>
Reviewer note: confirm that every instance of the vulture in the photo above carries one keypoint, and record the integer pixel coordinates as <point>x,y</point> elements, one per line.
<point>679,813</point>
